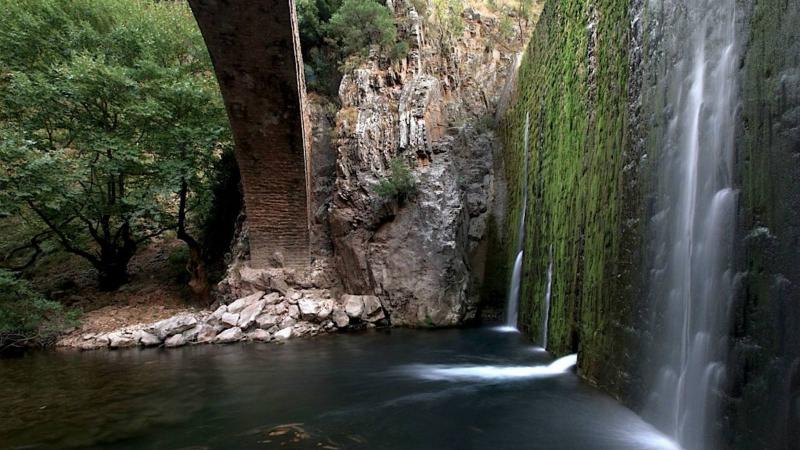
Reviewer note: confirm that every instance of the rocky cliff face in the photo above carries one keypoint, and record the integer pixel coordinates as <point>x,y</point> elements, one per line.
<point>434,111</point>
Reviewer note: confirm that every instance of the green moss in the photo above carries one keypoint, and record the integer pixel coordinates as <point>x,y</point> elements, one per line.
<point>573,82</point>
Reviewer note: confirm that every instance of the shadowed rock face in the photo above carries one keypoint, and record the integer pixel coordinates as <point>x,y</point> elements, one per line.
<point>255,51</point>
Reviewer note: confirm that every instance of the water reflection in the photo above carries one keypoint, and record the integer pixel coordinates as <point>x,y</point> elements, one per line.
<point>347,391</point>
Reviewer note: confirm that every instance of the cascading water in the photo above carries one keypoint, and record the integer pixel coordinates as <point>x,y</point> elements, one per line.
<point>548,290</point>
<point>692,231</point>
<point>512,309</point>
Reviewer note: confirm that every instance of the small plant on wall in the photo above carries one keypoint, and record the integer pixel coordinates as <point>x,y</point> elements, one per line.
<point>399,185</point>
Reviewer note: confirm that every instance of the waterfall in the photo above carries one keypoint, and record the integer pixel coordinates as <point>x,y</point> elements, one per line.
<point>548,290</point>
<point>512,308</point>
<point>692,230</point>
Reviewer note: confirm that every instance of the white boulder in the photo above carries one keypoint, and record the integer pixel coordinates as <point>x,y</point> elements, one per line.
<point>259,335</point>
<point>248,315</point>
<point>175,340</point>
<point>284,334</point>
<point>230,319</point>
<point>230,335</point>
<point>174,325</point>
<point>244,302</point>
<point>353,305</point>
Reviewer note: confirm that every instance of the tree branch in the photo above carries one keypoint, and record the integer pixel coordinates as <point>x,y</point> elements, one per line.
<point>65,241</point>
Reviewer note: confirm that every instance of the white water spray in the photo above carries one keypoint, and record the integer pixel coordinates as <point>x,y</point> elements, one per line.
<point>547,292</point>
<point>442,372</point>
<point>691,276</point>
<point>512,309</point>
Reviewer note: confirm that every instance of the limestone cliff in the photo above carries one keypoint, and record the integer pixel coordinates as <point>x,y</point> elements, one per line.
<point>435,112</point>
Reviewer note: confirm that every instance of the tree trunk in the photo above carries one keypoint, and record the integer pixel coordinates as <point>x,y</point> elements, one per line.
<point>196,265</point>
<point>112,268</point>
<point>198,273</point>
<point>111,275</point>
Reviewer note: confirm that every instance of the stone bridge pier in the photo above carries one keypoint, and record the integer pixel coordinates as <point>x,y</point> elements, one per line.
<point>255,51</point>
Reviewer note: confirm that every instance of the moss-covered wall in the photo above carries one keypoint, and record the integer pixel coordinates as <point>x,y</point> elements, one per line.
<point>765,363</point>
<point>574,82</point>
<point>588,185</point>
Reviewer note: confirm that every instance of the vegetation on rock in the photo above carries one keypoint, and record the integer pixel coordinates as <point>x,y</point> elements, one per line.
<point>337,35</point>
<point>399,185</point>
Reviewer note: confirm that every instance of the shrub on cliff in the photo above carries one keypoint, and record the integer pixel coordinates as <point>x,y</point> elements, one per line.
<point>358,25</point>
<point>399,185</point>
<point>27,318</point>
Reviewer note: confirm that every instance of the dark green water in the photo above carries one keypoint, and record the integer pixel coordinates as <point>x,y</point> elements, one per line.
<point>398,389</point>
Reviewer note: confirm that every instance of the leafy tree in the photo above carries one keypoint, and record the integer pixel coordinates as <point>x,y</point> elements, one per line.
<point>111,124</point>
<point>359,24</point>
<point>25,316</point>
<point>309,23</point>
<point>448,20</point>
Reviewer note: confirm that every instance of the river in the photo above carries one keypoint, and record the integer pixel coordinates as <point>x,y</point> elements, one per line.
<point>391,389</point>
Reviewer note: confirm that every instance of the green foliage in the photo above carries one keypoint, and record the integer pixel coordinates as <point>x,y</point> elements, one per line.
<point>27,318</point>
<point>336,36</point>
<point>578,186</point>
<point>421,7</point>
<point>359,24</point>
<point>399,185</point>
<point>107,106</point>
<point>309,23</point>
<point>448,16</point>
<point>506,28</point>
<point>399,51</point>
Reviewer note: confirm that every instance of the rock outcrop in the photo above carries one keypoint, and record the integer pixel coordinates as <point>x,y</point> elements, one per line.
<point>435,113</point>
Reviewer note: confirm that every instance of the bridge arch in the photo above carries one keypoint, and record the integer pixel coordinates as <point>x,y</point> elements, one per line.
<point>255,50</point>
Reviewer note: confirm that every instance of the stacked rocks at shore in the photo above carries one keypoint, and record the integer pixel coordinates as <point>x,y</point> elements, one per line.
<point>260,316</point>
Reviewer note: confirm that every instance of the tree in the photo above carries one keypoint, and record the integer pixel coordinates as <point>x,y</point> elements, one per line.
<point>25,316</point>
<point>111,124</point>
<point>359,24</point>
<point>447,22</point>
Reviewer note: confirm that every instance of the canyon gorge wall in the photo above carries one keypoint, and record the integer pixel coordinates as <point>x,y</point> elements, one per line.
<point>591,83</point>
<point>433,113</point>
<point>430,113</point>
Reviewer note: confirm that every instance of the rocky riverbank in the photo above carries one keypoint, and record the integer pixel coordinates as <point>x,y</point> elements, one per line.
<point>274,314</point>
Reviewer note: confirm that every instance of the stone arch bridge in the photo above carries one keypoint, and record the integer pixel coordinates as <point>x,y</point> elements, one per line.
<point>255,50</point>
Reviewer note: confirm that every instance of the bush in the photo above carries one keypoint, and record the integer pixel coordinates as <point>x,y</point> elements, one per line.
<point>359,24</point>
<point>27,318</point>
<point>399,185</point>
<point>399,51</point>
<point>421,6</point>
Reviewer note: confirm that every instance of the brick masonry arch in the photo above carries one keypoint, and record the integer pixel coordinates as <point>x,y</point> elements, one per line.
<point>255,51</point>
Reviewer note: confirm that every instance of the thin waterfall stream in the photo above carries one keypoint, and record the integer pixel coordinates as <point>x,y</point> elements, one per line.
<point>512,308</point>
<point>693,228</point>
<point>547,292</point>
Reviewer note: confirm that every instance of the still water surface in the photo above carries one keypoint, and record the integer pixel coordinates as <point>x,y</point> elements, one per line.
<point>397,389</point>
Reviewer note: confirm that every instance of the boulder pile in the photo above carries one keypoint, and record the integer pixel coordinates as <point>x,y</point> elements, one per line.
<point>261,316</point>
